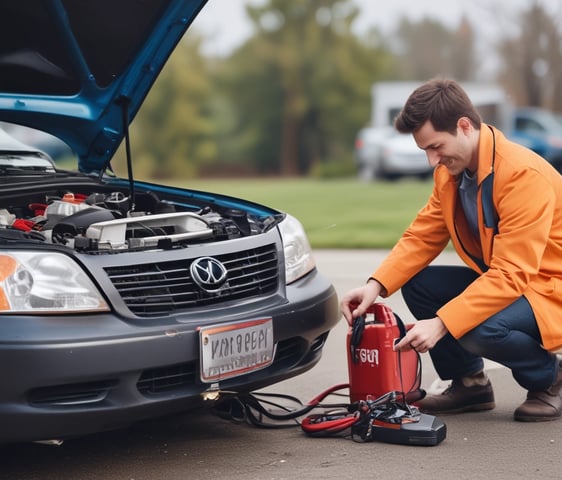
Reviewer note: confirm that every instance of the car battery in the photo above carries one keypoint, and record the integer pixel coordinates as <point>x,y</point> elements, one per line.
<point>375,368</point>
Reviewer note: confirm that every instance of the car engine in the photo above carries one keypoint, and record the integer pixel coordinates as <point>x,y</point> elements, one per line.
<point>105,222</point>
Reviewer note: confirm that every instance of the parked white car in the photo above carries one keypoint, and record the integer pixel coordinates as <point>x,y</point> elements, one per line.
<point>384,153</point>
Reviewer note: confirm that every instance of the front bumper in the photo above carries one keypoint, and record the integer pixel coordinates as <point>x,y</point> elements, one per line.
<point>71,376</point>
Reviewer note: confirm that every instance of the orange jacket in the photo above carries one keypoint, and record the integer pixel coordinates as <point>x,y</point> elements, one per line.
<point>525,255</point>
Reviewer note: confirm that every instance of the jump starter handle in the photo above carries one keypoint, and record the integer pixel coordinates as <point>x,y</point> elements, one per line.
<point>384,314</point>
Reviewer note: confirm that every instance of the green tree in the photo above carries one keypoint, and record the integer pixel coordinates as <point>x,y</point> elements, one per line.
<point>174,133</point>
<point>300,87</point>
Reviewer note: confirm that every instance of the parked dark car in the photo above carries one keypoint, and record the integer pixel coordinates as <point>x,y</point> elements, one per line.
<point>541,131</point>
<point>123,300</point>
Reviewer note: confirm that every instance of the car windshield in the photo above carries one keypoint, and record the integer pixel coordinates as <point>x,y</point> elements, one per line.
<point>549,120</point>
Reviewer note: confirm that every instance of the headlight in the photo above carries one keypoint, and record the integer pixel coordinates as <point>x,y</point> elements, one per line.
<point>45,282</point>
<point>298,254</point>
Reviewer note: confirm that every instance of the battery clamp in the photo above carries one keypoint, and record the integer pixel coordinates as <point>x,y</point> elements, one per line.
<point>366,415</point>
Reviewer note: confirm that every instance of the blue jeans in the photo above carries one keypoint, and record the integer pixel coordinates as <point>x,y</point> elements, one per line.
<point>510,337</point>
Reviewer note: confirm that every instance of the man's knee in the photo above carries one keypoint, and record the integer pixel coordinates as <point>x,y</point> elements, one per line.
<point>482,338</point>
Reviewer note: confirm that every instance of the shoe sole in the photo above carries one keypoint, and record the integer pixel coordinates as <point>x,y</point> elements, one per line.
<point>530,419</point>
<point>479,407</point>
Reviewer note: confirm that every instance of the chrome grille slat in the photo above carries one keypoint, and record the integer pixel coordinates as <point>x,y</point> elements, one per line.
<point>142,285</point>
<point>165,287</point>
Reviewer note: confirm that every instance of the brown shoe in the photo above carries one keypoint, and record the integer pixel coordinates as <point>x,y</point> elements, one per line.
<point>459,398</point>
<point>542,406</point>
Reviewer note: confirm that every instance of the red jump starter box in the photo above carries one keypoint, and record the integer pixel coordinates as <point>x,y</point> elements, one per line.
<point>375,368</point>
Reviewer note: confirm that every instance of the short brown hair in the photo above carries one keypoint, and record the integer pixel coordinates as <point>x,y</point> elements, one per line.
<point>441,101</point>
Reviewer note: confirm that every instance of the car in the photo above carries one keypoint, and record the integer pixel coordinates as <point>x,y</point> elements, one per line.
<point>539,130</point>
<point>125,300</point>
<point>384,153</point>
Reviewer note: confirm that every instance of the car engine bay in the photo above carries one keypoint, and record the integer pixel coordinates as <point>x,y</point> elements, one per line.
<point>101,222</point>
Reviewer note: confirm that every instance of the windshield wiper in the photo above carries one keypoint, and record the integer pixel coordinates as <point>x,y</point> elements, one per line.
<point>5,170</point>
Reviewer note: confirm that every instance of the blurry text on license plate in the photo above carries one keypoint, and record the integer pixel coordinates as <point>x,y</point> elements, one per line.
<point>234,349</point>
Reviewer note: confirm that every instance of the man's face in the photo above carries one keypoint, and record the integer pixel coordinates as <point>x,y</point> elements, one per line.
<point>455,152</point>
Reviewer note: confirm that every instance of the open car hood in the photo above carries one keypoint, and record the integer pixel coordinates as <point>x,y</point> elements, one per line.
<point>80,69</point>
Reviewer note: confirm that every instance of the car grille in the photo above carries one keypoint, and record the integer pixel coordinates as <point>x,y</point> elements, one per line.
<point>167,379</point>
<point>165,287</point>
<point>177,378</point>
<point>170,379</point>
<point>77,394</point>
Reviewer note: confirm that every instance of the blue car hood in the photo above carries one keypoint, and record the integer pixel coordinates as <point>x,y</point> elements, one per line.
<point>80,69</point>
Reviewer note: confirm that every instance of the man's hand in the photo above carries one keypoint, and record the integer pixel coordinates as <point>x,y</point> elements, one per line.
<point>356,302</point>
<point>423,336</point>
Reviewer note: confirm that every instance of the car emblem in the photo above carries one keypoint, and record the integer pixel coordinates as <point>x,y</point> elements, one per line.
<point>208,273</point>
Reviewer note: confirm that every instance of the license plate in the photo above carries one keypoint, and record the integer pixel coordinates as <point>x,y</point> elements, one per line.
<point>235,349</point>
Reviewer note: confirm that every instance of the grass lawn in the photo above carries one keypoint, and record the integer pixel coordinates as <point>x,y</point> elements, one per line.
<point>335,213</point>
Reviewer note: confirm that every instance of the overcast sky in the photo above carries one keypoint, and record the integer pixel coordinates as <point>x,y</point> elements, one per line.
<point>225,23</point>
